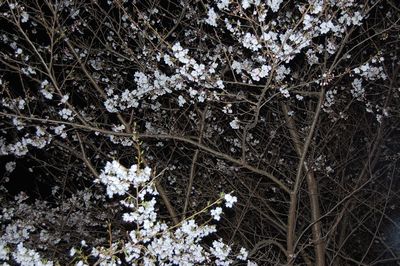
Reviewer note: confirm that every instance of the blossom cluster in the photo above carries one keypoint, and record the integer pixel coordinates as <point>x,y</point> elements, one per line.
<point>153,241</point>
<point>118,179</point>
<point>30,230</point>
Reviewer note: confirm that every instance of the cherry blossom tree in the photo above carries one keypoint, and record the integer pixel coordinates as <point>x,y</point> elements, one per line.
<point>199,132</point>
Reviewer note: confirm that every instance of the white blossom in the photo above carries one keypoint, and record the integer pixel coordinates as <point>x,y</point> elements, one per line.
<point>216,213</point>
<point>66,113</point>
<point>274,4</point>
<point>27,257</point>
<point>45,90</point>
<point>235,123</point>
<point>64,98</point>
<point>243,254</point>
<point>18,123</point>
<point>24,17</point>
<point>358,90</point>
<point>284,92</point>
<point>181,101</point>
<point>246,4</point>
<point>223,4</point>
<point>250,41</point>
<point>230,200</point>
<point>212,17</point>
<point>10,166</point>
<point>221,251</point>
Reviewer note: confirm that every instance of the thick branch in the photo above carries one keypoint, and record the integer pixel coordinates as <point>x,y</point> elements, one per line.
<point>312,188</point>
